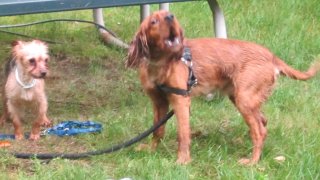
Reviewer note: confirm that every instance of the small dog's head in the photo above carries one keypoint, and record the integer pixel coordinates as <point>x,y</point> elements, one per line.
<point>159,35</point>
<point>32,57</point>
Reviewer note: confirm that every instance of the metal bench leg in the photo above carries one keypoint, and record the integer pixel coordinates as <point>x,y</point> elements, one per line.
<point>106,36</point>
<point>164,6</point>
<point>218,20</point>
<point>144,11</point>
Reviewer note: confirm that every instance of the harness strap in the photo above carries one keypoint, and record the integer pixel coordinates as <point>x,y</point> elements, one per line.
<point>178,91</point>
<point>192,80</point>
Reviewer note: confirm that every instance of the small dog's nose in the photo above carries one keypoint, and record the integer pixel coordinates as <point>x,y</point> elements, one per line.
<point>43,74</point>
<point>169,17</point>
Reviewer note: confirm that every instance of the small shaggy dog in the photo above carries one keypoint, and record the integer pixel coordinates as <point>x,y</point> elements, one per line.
<point>24,89</point>
<point>243,71</point>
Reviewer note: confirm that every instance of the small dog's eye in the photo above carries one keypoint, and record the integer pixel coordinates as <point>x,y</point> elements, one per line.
<point>46,60</point>
<point>154,21</point>
<point>32,61</point>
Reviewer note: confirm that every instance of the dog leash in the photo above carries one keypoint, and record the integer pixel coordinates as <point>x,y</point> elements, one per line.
<point>98,152</point>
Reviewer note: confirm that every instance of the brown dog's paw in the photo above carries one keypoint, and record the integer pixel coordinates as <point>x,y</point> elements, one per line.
<point>34,137</point>
<point>143,147</point>
<point>246,162</point>
<point>183,160</point>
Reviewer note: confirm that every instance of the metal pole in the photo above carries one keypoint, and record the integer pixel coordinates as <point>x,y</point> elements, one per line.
<point>164,6</point>
<point>144,11</point>
<point>98,18</point>
<point>107,37</point>
<point>218,20</point>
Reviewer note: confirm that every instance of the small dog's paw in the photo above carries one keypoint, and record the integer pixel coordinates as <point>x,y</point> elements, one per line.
<point>34,137</point>
<point>18,136</point>
<point>46,123</point>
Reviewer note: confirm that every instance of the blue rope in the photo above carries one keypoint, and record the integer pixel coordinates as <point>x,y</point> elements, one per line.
<point>70,128</point>
<point>66,128</point>
<point>11,136</point>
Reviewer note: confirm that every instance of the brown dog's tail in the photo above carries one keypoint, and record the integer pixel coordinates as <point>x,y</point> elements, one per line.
<point>295,74</point>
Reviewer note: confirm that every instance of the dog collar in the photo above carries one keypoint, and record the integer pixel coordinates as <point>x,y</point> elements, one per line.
<point>24,86</point>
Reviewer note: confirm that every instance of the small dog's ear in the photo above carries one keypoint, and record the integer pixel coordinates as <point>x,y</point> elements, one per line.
<point>138,50</point>
<point>15,43</point>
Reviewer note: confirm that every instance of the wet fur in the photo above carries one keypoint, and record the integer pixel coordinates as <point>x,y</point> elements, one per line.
<point>243,71</point>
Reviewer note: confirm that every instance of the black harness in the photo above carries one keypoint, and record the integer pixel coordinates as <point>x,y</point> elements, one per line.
<point>192,80</point>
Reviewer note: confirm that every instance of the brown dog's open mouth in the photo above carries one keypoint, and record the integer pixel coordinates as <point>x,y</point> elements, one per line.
<point>173,40</point>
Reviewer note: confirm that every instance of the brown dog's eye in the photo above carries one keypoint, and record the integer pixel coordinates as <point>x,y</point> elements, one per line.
<point>32,61</point>
<point>154,21</point>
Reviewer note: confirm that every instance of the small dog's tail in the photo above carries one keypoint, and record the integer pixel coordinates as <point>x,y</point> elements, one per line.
<point>296,74</point>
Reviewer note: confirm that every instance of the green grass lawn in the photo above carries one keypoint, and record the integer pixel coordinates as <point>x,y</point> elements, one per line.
<point>88,80</point>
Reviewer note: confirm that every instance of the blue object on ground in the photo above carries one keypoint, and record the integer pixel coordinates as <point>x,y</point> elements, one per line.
<point>6,136</point>
<point>11,136</point>
<point>70,128</point>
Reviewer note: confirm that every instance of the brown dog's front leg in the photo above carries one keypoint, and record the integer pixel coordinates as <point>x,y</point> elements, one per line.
<point>181,106</point>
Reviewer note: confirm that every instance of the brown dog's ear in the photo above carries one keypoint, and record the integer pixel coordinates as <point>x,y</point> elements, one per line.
<point>138,50</point>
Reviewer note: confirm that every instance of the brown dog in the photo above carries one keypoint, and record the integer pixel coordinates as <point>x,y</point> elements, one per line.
<point>24,87</point>
<point>244,71</point>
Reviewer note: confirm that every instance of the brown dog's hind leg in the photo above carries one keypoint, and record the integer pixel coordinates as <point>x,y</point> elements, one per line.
<point>250,110</point>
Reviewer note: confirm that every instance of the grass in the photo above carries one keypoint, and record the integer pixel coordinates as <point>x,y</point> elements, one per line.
<point>88,81</point>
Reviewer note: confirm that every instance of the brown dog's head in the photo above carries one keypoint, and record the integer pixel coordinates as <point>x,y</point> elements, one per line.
<point>160,35</point>
<point>32,57</point>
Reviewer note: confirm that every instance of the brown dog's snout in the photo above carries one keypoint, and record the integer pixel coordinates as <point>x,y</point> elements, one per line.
<point>169,17</point>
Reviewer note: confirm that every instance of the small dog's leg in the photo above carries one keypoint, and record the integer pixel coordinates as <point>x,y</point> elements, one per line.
<point>42,120</point>
<point>2,119</point>
<point>35,132</point>
<point>181,106</point>
<point>43,107</point>
<point>18,131</point>
<point>5,114</point>
<point>16,120</point>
